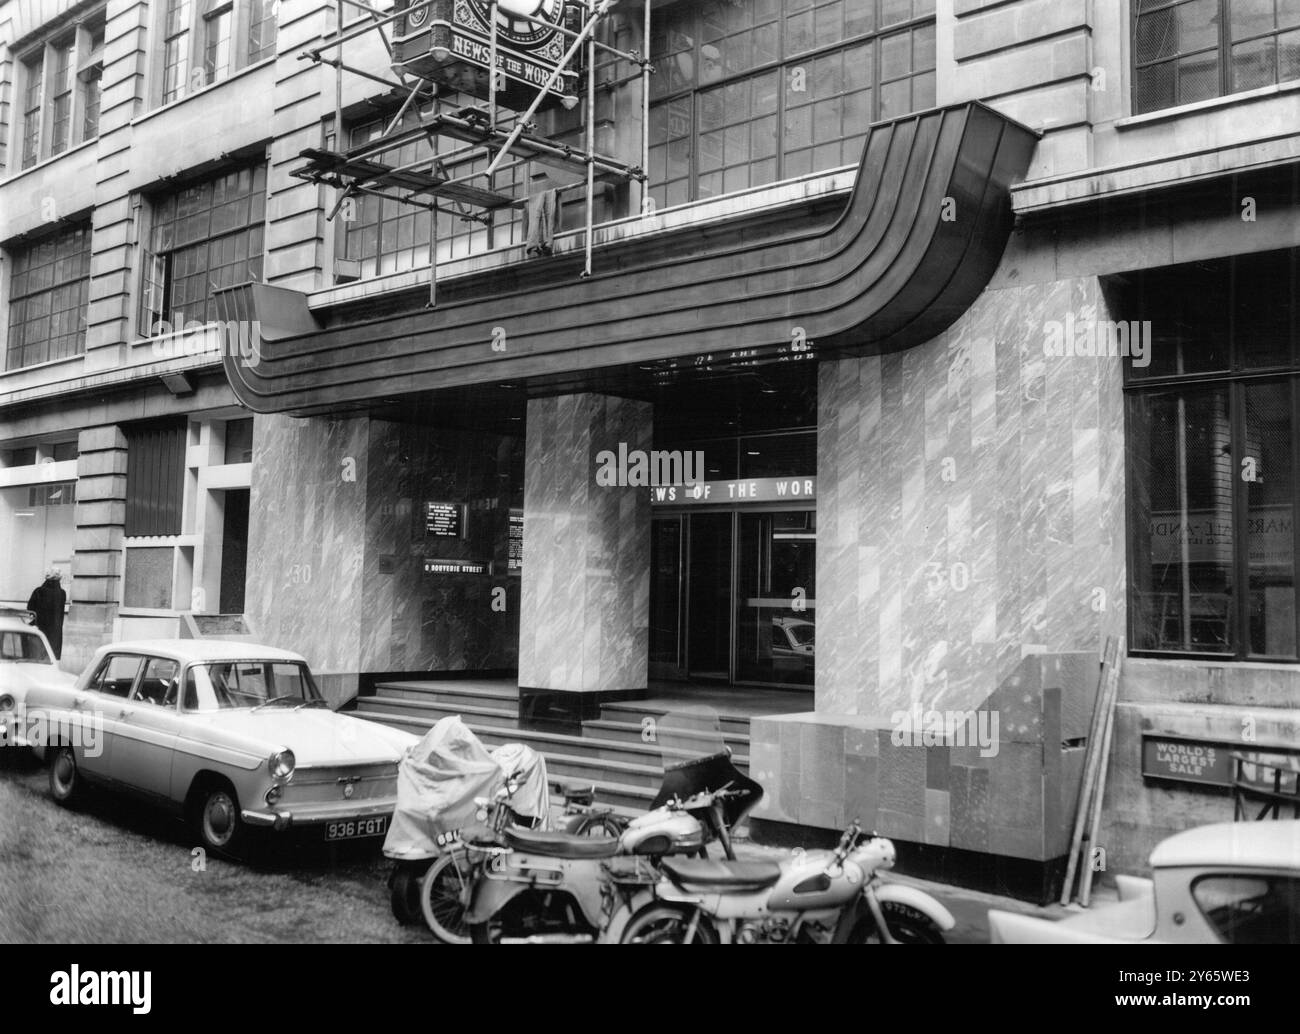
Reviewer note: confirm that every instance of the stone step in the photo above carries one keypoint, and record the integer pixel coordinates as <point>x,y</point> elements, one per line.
<point>636,711</point>
<point>469,691</point>
<point>648,755</point>
<point>608,729</point>
<point>432,711</point>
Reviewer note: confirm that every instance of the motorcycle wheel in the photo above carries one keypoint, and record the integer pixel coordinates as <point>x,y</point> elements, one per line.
<point>441,900</point>
<point>906,925</point>
<point>404,892</point>
<point>663,924</point>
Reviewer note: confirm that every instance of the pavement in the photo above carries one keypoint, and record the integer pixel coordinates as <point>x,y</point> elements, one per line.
<point>113,870</point>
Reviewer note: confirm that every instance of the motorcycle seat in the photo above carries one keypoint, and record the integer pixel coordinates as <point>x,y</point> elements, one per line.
<point>715,874</point>
<point>561,845</point>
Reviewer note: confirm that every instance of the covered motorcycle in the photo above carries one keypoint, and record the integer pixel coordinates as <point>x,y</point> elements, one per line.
<point>438,781</point>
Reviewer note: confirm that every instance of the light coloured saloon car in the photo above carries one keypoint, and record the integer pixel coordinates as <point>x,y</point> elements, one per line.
<point>228,735</point>
<point>26,660</point>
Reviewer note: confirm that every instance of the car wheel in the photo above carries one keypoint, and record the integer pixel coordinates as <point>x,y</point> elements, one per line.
<point>65,777</point>
<point>220,826</point>
<point>442,897</point>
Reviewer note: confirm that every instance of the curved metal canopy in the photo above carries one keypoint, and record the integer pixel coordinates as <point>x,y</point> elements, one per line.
<point>918,240</point>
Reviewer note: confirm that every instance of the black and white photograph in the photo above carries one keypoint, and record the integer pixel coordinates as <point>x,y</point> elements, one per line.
<point>730,472</point>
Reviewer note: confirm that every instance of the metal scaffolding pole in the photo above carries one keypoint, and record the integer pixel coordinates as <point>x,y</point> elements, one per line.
<point>646,72</point>
<point>591,148</point>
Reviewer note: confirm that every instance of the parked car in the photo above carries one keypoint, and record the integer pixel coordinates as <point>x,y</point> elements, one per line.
<point>229,735</point>
<point>1230,883</point>
<point>26,660</point>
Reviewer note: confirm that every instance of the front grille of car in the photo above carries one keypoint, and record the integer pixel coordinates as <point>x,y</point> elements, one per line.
<point>328,784</point>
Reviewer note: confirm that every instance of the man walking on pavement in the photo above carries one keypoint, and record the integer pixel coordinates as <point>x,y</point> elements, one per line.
<point>47,604</point>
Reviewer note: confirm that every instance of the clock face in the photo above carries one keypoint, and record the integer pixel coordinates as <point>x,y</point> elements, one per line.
<point>520,30</point>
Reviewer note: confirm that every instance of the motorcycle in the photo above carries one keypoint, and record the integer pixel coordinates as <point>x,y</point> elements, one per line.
<point>527,886</point>
<point>815,897</point>
<point>438,781</point>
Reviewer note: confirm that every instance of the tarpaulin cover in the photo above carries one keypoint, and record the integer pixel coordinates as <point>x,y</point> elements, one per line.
<point>439,778</point>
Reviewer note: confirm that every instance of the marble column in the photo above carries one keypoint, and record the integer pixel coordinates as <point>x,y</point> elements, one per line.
<point>584,612</point>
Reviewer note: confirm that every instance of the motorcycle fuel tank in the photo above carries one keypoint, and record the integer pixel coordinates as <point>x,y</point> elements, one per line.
<point>663,831</point>
<point>811,881</point>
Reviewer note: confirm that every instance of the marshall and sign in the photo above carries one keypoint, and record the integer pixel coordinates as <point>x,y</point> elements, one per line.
<point>450,42</point>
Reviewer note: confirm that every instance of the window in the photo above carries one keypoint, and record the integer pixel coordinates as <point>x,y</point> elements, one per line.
<point>205,41</point>
<point>60,90</point>
<point>239,441</point>
<point>204,237</point>
<point>1213,440</point>
<point>48,293</point>
<point>1251,908</point>
<point>157,685</point>
<point>382,236</point>
<point>24,646</point>
<point>748,94</point>
<point>1190,50</point>
<point>116,675</point>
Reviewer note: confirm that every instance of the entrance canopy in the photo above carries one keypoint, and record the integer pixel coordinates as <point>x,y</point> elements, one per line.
<point>917,242</point>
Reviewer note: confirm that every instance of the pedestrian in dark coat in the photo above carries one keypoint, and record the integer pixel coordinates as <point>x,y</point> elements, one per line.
<point>47,604</point>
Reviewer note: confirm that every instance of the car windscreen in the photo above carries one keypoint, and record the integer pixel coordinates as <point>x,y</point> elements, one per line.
<point>23,646</point>
<point>231,685</point>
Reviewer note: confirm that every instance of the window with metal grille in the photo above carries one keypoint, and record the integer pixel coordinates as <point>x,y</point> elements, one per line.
<point>204,237</point>
<point>155,469</point>
<point>1192,50</point>
<point>48,292</point>
<point>750,93</point>
<point>382,236</point>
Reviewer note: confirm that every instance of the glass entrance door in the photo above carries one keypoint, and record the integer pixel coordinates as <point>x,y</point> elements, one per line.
<point>775,597</point>
<point>708,616</point>
<point>732,597</point>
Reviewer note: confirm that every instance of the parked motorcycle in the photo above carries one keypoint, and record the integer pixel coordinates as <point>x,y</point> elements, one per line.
<point>815,897</point>
<point>526,886</point>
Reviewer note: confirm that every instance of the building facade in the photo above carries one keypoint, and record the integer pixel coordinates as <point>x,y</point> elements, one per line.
<point>980,315</point>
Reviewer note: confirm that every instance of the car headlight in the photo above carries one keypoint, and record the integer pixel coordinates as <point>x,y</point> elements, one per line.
<point>6,702</point>
<point>273,794</point>
<point>281,765</point>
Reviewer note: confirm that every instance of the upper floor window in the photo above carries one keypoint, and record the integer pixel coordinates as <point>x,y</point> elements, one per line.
<point>204,237</point>
<point>60,90</point>
<point>385,236</point>
<point>748,94</point>
<point>48,293</point>
<point>1191,50</point>
<point>204,41</point>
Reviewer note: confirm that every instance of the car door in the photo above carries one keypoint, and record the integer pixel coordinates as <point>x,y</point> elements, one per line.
<point>148,727</point>
<point>100,705</point>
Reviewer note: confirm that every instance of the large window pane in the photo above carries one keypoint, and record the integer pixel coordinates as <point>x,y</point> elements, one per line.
<point>1182,484</point>
<point>1267,467</point>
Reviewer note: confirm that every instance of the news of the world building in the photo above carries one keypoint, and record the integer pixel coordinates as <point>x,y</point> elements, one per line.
<point>730,472</point>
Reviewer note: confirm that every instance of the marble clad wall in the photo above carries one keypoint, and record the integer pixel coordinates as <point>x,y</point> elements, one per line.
<point>306,538</point>
<point>584,622</point>
<point>970,507</point>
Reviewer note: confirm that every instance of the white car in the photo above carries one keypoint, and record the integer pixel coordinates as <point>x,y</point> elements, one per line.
<point>228,735</point>
<point>26,660</point>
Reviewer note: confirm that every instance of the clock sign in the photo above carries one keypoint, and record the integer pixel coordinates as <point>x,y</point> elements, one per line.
<point>516,26</point>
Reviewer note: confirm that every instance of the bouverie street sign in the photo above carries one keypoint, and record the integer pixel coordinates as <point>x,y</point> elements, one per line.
<point>450,42</point>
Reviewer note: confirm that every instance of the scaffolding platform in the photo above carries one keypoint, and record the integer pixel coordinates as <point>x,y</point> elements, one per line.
<point>342,170</point>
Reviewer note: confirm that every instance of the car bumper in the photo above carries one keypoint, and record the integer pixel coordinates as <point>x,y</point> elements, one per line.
<point>318,814</point>
<point>9,734</point>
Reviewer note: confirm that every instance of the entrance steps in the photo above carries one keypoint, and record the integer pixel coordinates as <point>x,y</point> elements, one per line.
<point>619,751</point>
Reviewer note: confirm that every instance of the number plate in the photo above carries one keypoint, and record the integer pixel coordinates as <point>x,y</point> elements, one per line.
<point>355,829</point>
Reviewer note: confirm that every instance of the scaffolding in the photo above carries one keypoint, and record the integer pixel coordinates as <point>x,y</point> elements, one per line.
<point>427,183</point>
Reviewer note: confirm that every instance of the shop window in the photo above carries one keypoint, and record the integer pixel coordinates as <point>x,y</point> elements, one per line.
<point>1191,50</point>
<point>204,237</point>
<point>1212,441</point>
<point>36,531</point>
<point>748,94</point>
<point>205,41</point>
<point>49,290</point>
<point>59,89</point>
